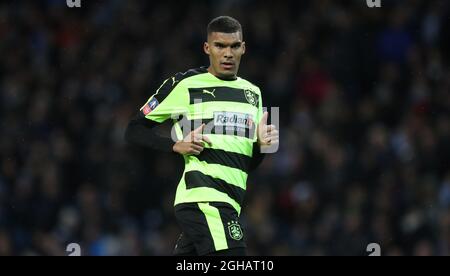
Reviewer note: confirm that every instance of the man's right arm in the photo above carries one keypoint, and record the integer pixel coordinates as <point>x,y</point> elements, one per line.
<point>169,101</point>
<point>142,132</point>
<point>159,107</point>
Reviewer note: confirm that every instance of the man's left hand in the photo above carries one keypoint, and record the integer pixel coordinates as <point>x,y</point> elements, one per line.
<point>267,134</point>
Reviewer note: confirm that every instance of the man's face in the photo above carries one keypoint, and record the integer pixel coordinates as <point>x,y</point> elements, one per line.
<point>225,51</point>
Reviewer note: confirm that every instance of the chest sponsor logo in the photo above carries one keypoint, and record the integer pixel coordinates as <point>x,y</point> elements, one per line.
<point>233,119</point>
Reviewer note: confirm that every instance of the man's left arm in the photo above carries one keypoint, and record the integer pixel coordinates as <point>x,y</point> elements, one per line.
<point>257,157</point>
<point>267,136</point>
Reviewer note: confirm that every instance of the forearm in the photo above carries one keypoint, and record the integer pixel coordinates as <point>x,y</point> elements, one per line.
<point>142,132</point>
<point>257,157</point>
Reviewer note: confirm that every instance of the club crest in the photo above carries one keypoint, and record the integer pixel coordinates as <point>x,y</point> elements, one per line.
<point>235,231</point>
<point>252,97</point>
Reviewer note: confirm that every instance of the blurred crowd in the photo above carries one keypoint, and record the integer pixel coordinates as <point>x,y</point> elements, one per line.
<point>364,97</point>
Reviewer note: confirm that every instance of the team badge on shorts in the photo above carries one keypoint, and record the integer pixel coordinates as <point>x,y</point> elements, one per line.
<point>252,97</point>
<point>235,231</point>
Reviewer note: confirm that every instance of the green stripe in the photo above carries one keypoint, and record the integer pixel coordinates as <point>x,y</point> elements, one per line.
<point>235,144</point>
<point>230,175</point>
<point>204,194</point>
<point>215,225</point>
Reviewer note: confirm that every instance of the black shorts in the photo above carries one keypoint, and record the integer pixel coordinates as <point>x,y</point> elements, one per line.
<point>207,228</point>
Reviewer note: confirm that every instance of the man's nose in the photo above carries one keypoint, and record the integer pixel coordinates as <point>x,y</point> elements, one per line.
<point>228,53</point>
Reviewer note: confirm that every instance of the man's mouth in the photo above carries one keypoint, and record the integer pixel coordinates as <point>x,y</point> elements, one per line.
<point>227,65</point>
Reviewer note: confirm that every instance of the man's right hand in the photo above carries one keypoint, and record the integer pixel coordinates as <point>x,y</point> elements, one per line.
<point>193,143</point>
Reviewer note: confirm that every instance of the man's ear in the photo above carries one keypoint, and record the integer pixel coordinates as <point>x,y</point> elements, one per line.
<point>206,48</point>
<point>243,47</point>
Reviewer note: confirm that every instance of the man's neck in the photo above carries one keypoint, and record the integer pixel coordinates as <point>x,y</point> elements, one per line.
<point>231,78</point>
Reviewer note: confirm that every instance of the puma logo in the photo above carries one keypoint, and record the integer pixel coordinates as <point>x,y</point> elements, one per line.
<point>209,92</point>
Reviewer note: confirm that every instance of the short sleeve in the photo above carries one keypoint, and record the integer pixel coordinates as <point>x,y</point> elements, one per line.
<point>169,101</point>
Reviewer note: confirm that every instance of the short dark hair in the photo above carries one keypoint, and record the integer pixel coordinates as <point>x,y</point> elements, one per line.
<point>224,24</point>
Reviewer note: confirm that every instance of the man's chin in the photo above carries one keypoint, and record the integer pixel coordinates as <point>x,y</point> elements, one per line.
<point>227,75</point>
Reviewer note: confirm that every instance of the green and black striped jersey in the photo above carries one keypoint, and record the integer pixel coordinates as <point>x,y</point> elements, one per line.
<point>231,110</point>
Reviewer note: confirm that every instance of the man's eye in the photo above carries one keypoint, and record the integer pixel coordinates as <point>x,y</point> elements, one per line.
<point>236,46</point>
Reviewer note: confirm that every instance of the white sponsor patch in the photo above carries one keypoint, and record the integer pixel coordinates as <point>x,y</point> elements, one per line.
<point>233,119</point>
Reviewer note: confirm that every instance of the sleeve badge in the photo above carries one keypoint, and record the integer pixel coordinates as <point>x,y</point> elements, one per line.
<point>149,106</point>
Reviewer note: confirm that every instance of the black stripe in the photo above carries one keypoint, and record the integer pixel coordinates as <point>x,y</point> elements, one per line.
<point>225,158</point>
<point>173,82</point>
<point>225,94</point>
<point>196,179</point>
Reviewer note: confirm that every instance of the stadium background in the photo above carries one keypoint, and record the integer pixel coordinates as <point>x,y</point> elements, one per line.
<point>364,96</point>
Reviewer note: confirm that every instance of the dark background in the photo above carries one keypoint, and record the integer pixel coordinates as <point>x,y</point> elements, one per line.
<point>364,96</point>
